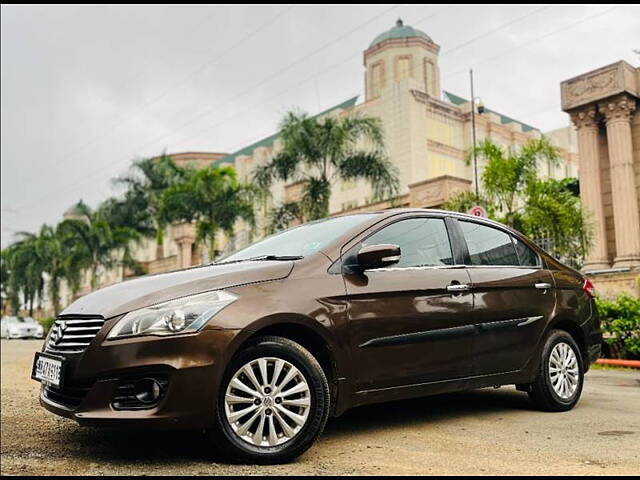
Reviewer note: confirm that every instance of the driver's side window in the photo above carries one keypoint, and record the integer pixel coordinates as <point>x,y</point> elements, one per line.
<point>423,242</point>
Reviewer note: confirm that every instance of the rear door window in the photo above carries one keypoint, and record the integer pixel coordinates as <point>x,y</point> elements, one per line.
<point>527,257</point>
<point>488,245</point>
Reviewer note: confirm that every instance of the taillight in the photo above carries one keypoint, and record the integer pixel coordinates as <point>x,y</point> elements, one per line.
<point>588,287</point>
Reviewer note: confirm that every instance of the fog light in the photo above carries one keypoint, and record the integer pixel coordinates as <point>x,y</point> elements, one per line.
<point>148,390</point>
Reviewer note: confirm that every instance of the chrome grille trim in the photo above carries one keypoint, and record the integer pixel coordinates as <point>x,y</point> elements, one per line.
<point>73,334</point>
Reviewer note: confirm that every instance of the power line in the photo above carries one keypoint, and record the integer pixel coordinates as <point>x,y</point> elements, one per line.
<point>496,29</point>
<point>418,22</point>
<point>124,119</point>
<point>217,106</point>
<point>317,74</point>
<point>537,39</point>
<point>204,113</point>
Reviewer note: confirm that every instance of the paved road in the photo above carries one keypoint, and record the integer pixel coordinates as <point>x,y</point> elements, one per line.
<point>480,432</point>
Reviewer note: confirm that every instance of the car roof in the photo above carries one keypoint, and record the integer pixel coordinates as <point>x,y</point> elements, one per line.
<point>465,216</point>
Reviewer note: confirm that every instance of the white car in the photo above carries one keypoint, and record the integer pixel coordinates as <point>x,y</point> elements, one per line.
<point>20,327</point>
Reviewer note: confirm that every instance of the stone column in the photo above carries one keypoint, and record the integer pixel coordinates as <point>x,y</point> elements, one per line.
<point>591,185</point>
<point>626,216</point>
<point>185,236</point>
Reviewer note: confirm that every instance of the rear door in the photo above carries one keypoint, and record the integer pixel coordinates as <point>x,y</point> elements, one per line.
<point>406,324</point>
<point>514,296</point>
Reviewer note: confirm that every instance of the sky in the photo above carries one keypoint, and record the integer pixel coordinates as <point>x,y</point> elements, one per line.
<point>87,89</point>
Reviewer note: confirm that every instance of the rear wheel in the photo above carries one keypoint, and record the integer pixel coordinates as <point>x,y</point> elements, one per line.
<point>560,374</point>
<point>273,402</point>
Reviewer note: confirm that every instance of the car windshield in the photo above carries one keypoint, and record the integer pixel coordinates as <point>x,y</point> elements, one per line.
<point>300,241</point>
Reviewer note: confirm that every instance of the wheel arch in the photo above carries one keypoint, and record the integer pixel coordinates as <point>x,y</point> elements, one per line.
<point>572,328</point>
<point>304,331</point>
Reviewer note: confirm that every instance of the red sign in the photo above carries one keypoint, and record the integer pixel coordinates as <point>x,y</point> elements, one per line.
<point>478,211</point>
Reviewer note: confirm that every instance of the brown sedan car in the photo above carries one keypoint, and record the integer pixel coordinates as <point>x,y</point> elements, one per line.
<point>262,346</point>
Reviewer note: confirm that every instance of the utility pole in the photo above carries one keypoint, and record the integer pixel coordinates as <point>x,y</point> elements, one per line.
<point>473,130</point>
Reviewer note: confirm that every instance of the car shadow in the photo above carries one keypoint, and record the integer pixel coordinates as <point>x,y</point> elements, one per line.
<point>427,410</point>
<point>163,447</point>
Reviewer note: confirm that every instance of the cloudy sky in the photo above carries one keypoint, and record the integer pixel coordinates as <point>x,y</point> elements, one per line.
<point>86,89</point>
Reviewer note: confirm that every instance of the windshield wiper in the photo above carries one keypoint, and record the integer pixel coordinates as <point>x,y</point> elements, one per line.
<point>260,258</point>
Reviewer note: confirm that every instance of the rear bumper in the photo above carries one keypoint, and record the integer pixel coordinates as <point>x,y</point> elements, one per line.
<point>192,364</point>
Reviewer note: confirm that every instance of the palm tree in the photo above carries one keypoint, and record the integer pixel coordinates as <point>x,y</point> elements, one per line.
<point>214,199</point>
<point>24,270</point>
<point>321,152</point>
<point>509,171</point>
<point>51,250</point>
<point>146,181</point>
<point>96,240</point>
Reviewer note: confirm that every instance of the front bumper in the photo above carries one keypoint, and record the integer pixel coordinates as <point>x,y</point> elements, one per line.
<point>193,365</point>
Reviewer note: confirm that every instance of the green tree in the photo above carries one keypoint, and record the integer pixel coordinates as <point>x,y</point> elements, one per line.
<point>321,152</point>
<point>544,209</point>
<point>214,199</point>
<point>5,292</point>
<point>47,250</point>
<point>620,318</point>
<point>24,269</point>
<point>145,183</point>
<point>96,241</point>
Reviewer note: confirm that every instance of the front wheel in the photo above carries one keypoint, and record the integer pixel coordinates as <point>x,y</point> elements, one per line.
<point>273,402</point>
<point>560,374</point>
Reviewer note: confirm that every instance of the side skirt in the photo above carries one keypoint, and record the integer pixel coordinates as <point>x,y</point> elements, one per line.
<point>366,397</point>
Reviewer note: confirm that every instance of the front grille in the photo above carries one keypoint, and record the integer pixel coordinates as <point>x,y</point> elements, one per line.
<point>73,333</point>
<point>70,396</point>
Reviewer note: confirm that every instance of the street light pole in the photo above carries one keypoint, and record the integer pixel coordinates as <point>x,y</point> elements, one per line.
<point>473,130</point>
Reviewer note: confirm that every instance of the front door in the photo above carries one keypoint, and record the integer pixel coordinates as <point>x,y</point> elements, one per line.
<point>410,323</point>
<point>514,296</point>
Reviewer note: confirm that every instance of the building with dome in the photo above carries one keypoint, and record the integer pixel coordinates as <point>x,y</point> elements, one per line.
<point>428,129</point>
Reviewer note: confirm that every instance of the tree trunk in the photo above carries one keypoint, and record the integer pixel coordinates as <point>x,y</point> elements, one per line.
<point>212,247</point>
<point>94,277</point>
<point>55,296</point>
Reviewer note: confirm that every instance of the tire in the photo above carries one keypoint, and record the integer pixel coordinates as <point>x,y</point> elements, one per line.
<point>549,392</point>
<point>247,446</point>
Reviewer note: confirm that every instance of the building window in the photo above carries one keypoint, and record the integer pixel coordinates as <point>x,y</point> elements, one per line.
<point>377,79</point>
<point>403,68</point>
<point>430,80</point>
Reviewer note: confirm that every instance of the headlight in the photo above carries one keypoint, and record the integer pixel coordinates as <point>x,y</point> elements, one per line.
<point>183,315</point>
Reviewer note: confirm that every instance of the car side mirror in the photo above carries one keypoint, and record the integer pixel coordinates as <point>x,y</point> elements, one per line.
<point>378,256</point>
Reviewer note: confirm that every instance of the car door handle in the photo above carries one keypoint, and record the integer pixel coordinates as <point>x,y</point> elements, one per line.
<point>543,286</point>
<point>458,287</point>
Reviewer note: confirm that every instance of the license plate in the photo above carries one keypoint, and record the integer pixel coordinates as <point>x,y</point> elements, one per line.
<point>48,369</point>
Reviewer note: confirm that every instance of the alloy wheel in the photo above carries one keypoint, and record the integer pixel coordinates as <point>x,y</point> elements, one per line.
<point>563,370</point>
<point>267,402</point>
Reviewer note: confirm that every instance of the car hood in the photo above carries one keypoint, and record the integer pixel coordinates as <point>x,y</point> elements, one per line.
<point>149,290</point>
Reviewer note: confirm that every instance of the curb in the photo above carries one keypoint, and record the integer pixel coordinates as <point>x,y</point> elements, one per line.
<point>619,363</point>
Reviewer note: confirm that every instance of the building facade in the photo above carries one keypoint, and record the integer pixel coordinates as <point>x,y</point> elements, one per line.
<point>604,107</point>
<point>427,130</point>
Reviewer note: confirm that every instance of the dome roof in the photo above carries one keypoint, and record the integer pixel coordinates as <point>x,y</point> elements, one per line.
<point>400,30</point>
